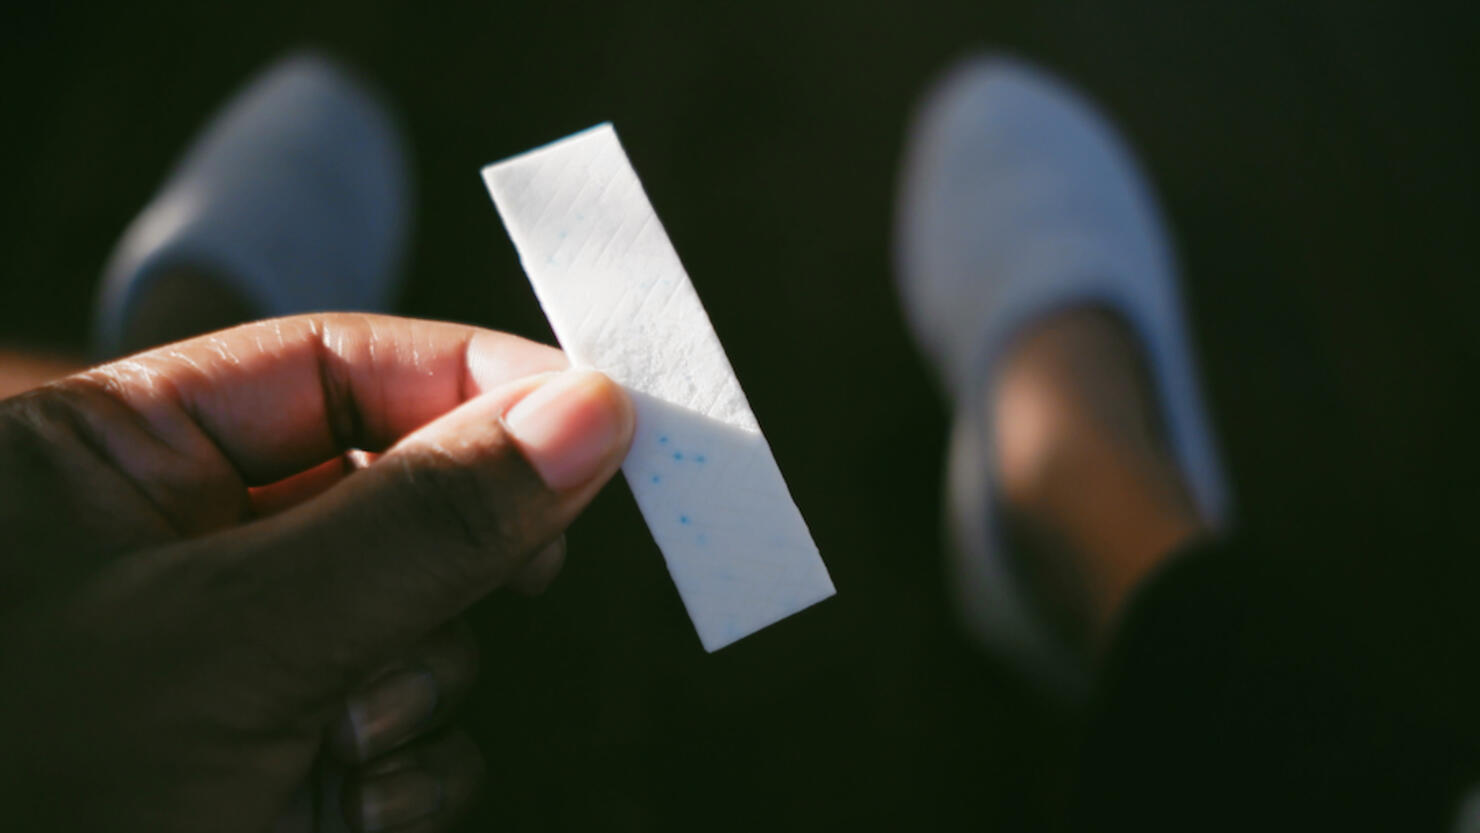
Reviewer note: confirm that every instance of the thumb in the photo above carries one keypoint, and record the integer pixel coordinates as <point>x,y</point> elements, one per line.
<point>449,513</point>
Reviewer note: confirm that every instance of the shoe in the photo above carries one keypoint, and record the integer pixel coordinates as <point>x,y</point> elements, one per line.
<point>297,194</point>
<point>1018,200</point>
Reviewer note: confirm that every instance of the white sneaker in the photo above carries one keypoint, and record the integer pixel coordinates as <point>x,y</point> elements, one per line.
<point>297,194</point>
<point>1018,200</point>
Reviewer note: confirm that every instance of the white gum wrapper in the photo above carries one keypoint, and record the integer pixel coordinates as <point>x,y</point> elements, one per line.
<point>620,302</point>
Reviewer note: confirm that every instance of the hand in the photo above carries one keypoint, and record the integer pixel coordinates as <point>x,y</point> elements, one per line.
<point>194,583</point>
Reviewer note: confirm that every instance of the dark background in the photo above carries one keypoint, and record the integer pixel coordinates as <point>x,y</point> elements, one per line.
<point>1317,162</point>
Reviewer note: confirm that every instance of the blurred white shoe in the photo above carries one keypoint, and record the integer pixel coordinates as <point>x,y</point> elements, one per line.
<point>298,194</point>
<point>1018,200</point>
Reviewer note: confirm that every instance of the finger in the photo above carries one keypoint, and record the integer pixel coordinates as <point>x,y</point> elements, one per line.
<point>423,788</point>
<point>541,570</point>
<point>409,698</point>
<point>447,515</point>
<point>274,398</point>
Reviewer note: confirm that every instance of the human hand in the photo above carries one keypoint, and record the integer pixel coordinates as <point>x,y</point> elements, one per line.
<point>194,582</point>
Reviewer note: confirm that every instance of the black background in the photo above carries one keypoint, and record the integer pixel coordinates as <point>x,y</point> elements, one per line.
<point>1316,160</point>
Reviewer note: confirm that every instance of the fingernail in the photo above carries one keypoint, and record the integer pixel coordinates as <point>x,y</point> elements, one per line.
<point>386,714</point>
<point>393,800</point>
<point>570,427</point>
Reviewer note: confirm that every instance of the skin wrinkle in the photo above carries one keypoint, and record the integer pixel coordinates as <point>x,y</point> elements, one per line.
<point>179,356</point>
<point>130,373</point>
<point>465,381</point>
<point>433,472</point>
<point>203,376</point>
<point>218,345</point>
<point>75,425</point>
<point>108,383</point>
<point>376,393</point>
<point>136,381</point>
<point>171,398</point>
<point>197,449</point>
<point>282,341</point>
<point>195,418</point>
<point>343,417</point>
<point>431,368</point>
<point>383,401</point>
<point>334,342</point>
<point>415,471</point>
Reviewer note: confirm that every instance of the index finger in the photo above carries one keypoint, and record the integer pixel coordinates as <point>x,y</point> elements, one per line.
<point>279,396</point>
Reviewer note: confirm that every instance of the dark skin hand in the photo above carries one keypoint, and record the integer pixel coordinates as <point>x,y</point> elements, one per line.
<point>205,597</point>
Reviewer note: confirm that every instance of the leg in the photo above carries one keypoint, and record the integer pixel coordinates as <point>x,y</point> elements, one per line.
<point>1088,484</point>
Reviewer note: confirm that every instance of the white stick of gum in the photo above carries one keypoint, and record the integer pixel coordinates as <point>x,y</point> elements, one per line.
<point>620,302</point>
